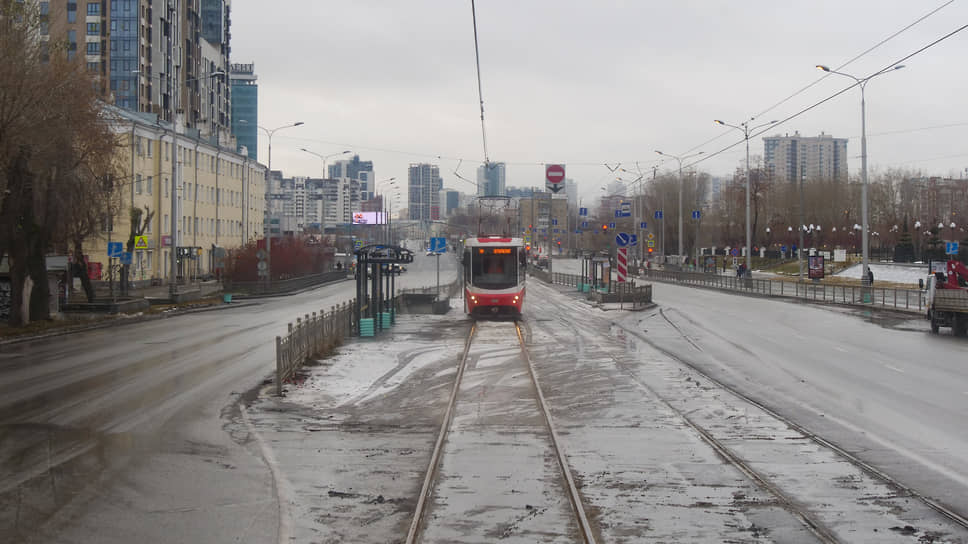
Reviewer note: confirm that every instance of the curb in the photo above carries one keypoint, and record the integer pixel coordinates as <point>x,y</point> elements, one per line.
<point>118,322</point>
<point>287,294</point>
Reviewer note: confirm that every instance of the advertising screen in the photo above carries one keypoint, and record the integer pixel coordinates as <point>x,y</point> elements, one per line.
<point>369,218</point>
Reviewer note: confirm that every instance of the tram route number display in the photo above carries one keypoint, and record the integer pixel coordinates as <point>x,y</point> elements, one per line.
<point>494,251</point>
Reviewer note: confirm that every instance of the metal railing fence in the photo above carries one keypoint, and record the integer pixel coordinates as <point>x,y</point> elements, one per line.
<point>910,300</point>
<point>314,335</point>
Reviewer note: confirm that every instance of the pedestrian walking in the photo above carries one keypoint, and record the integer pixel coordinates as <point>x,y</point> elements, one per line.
<point>870,277</point>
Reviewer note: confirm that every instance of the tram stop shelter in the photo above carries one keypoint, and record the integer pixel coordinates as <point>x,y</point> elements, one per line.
<point>595,272</point>
<point>376,286</point>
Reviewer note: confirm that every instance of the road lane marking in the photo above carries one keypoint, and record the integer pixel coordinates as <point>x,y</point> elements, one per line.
<point>842,350</point>
<point>895,369</point>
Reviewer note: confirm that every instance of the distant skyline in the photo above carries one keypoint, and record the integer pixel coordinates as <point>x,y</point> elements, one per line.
<point>586,84</point>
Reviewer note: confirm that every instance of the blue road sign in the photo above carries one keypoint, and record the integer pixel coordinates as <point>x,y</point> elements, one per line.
<point>643,225</point>
<point>633,240</point>
<point>583,212</point>
<point>618,213</point>
<point>438,244</point>
<point>611,225</point>
<point>625,210</point>
<point>734,252</point>
<point>951,248</point>
<point>554,222</point>
<point>622,239</point>
<point>115,249</point>
<point>125,257</point>
<point>696,214</point>
<point>584,224</point>
<point>556,231</point>
<point>658,214</point>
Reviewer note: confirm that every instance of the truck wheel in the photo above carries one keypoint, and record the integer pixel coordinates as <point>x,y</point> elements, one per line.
<point>960,326</point>
<point>934,325</point>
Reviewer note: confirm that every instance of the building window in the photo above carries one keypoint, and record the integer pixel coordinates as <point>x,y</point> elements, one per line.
<point>164,227</point>
<point>72,12</point>
<point>137,184</point>
<point>93,29</point>
<point>150,182</point>
<point>151,144</point>
<point>93,8</point>
<point>93,67</point>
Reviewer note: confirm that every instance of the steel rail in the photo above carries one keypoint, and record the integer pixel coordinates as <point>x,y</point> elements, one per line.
<point>586,531</point>
<point>439,446</point>
<point>867,468</point>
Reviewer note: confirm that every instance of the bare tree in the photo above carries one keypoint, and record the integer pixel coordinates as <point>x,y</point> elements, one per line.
<point>56,155</point>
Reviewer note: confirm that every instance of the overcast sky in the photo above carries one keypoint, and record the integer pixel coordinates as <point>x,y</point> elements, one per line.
<point>590,82</point>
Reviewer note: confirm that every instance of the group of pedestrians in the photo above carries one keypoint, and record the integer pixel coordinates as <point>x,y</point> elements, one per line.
<point>741,270</point>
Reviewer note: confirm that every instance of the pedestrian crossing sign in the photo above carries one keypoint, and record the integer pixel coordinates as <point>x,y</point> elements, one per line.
<point>141,242</point>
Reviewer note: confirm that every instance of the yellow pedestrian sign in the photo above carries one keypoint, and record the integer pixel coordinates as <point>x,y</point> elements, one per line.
<point>141,242</point>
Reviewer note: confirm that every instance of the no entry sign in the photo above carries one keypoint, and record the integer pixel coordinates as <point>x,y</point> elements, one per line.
<point>554,177</point>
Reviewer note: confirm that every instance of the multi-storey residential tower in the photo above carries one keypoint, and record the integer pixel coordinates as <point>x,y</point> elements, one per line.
<point>357,170</point>
<point>127,43</point>
<point>795,158</point>
<point>424,184</point>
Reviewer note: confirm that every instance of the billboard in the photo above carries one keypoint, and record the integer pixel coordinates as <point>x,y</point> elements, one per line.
<point>815,270</point>
<point>369,218</point>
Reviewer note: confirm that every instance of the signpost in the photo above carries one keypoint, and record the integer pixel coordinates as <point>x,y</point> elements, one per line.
<point>115,249</point>
<point>141,242</point>
<point>438,245</point>
<point>554,177</point>
<point>622,261</point>
<point>951,248</point>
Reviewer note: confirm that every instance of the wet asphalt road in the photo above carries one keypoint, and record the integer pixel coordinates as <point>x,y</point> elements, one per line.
<point>116,434</point>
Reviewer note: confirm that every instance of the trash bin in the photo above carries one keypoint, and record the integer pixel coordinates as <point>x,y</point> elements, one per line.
<point>227,298</point>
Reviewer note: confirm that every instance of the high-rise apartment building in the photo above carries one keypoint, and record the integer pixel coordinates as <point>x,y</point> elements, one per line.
<point>245,107</point>
<point>127,43</point>
<point>424,184</point>
<point>355,169</point>
<point>795,158</point>
<point>491,179</point>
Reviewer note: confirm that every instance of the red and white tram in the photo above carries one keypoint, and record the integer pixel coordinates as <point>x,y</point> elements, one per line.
<point>494,276</point>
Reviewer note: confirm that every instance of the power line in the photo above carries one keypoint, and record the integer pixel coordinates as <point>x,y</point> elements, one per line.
<point>708,156</point>
<point>480,91</point>
<point>856,57</point>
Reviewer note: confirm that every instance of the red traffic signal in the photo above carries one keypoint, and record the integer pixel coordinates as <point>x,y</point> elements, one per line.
<point>650,250</point>
<point>604,228</point>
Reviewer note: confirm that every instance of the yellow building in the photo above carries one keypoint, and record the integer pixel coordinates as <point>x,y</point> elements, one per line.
<point>220,198</point>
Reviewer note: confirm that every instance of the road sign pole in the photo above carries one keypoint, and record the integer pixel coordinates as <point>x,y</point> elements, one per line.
<point>438,276</point>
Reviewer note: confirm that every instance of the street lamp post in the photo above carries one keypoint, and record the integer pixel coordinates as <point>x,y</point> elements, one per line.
<point>269,134</point>
<point>862,83</point>
<point>173,240</point>
<point>324,157</point>
<point>679,160</point>
<point>746,129</point>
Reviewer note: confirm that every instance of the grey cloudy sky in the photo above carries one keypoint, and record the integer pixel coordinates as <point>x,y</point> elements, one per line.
<point>593,82</point>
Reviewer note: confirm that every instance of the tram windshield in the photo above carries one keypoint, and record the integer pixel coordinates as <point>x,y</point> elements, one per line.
<point>492,271</point>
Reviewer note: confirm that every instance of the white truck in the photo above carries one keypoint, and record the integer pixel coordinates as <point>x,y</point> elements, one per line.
<point>947,299</point>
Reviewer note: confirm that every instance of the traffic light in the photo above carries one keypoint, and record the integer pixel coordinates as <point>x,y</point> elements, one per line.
<point>604,228</point>
<point>559,243</point>
<point>650,250</point>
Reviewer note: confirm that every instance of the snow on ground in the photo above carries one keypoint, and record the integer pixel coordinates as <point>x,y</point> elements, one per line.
<point>894,273</point>
<point>886,272</point>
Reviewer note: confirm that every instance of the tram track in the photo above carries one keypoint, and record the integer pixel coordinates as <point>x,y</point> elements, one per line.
<point>869,469</point>
<point>550,438</point>
<point>710,430</point>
